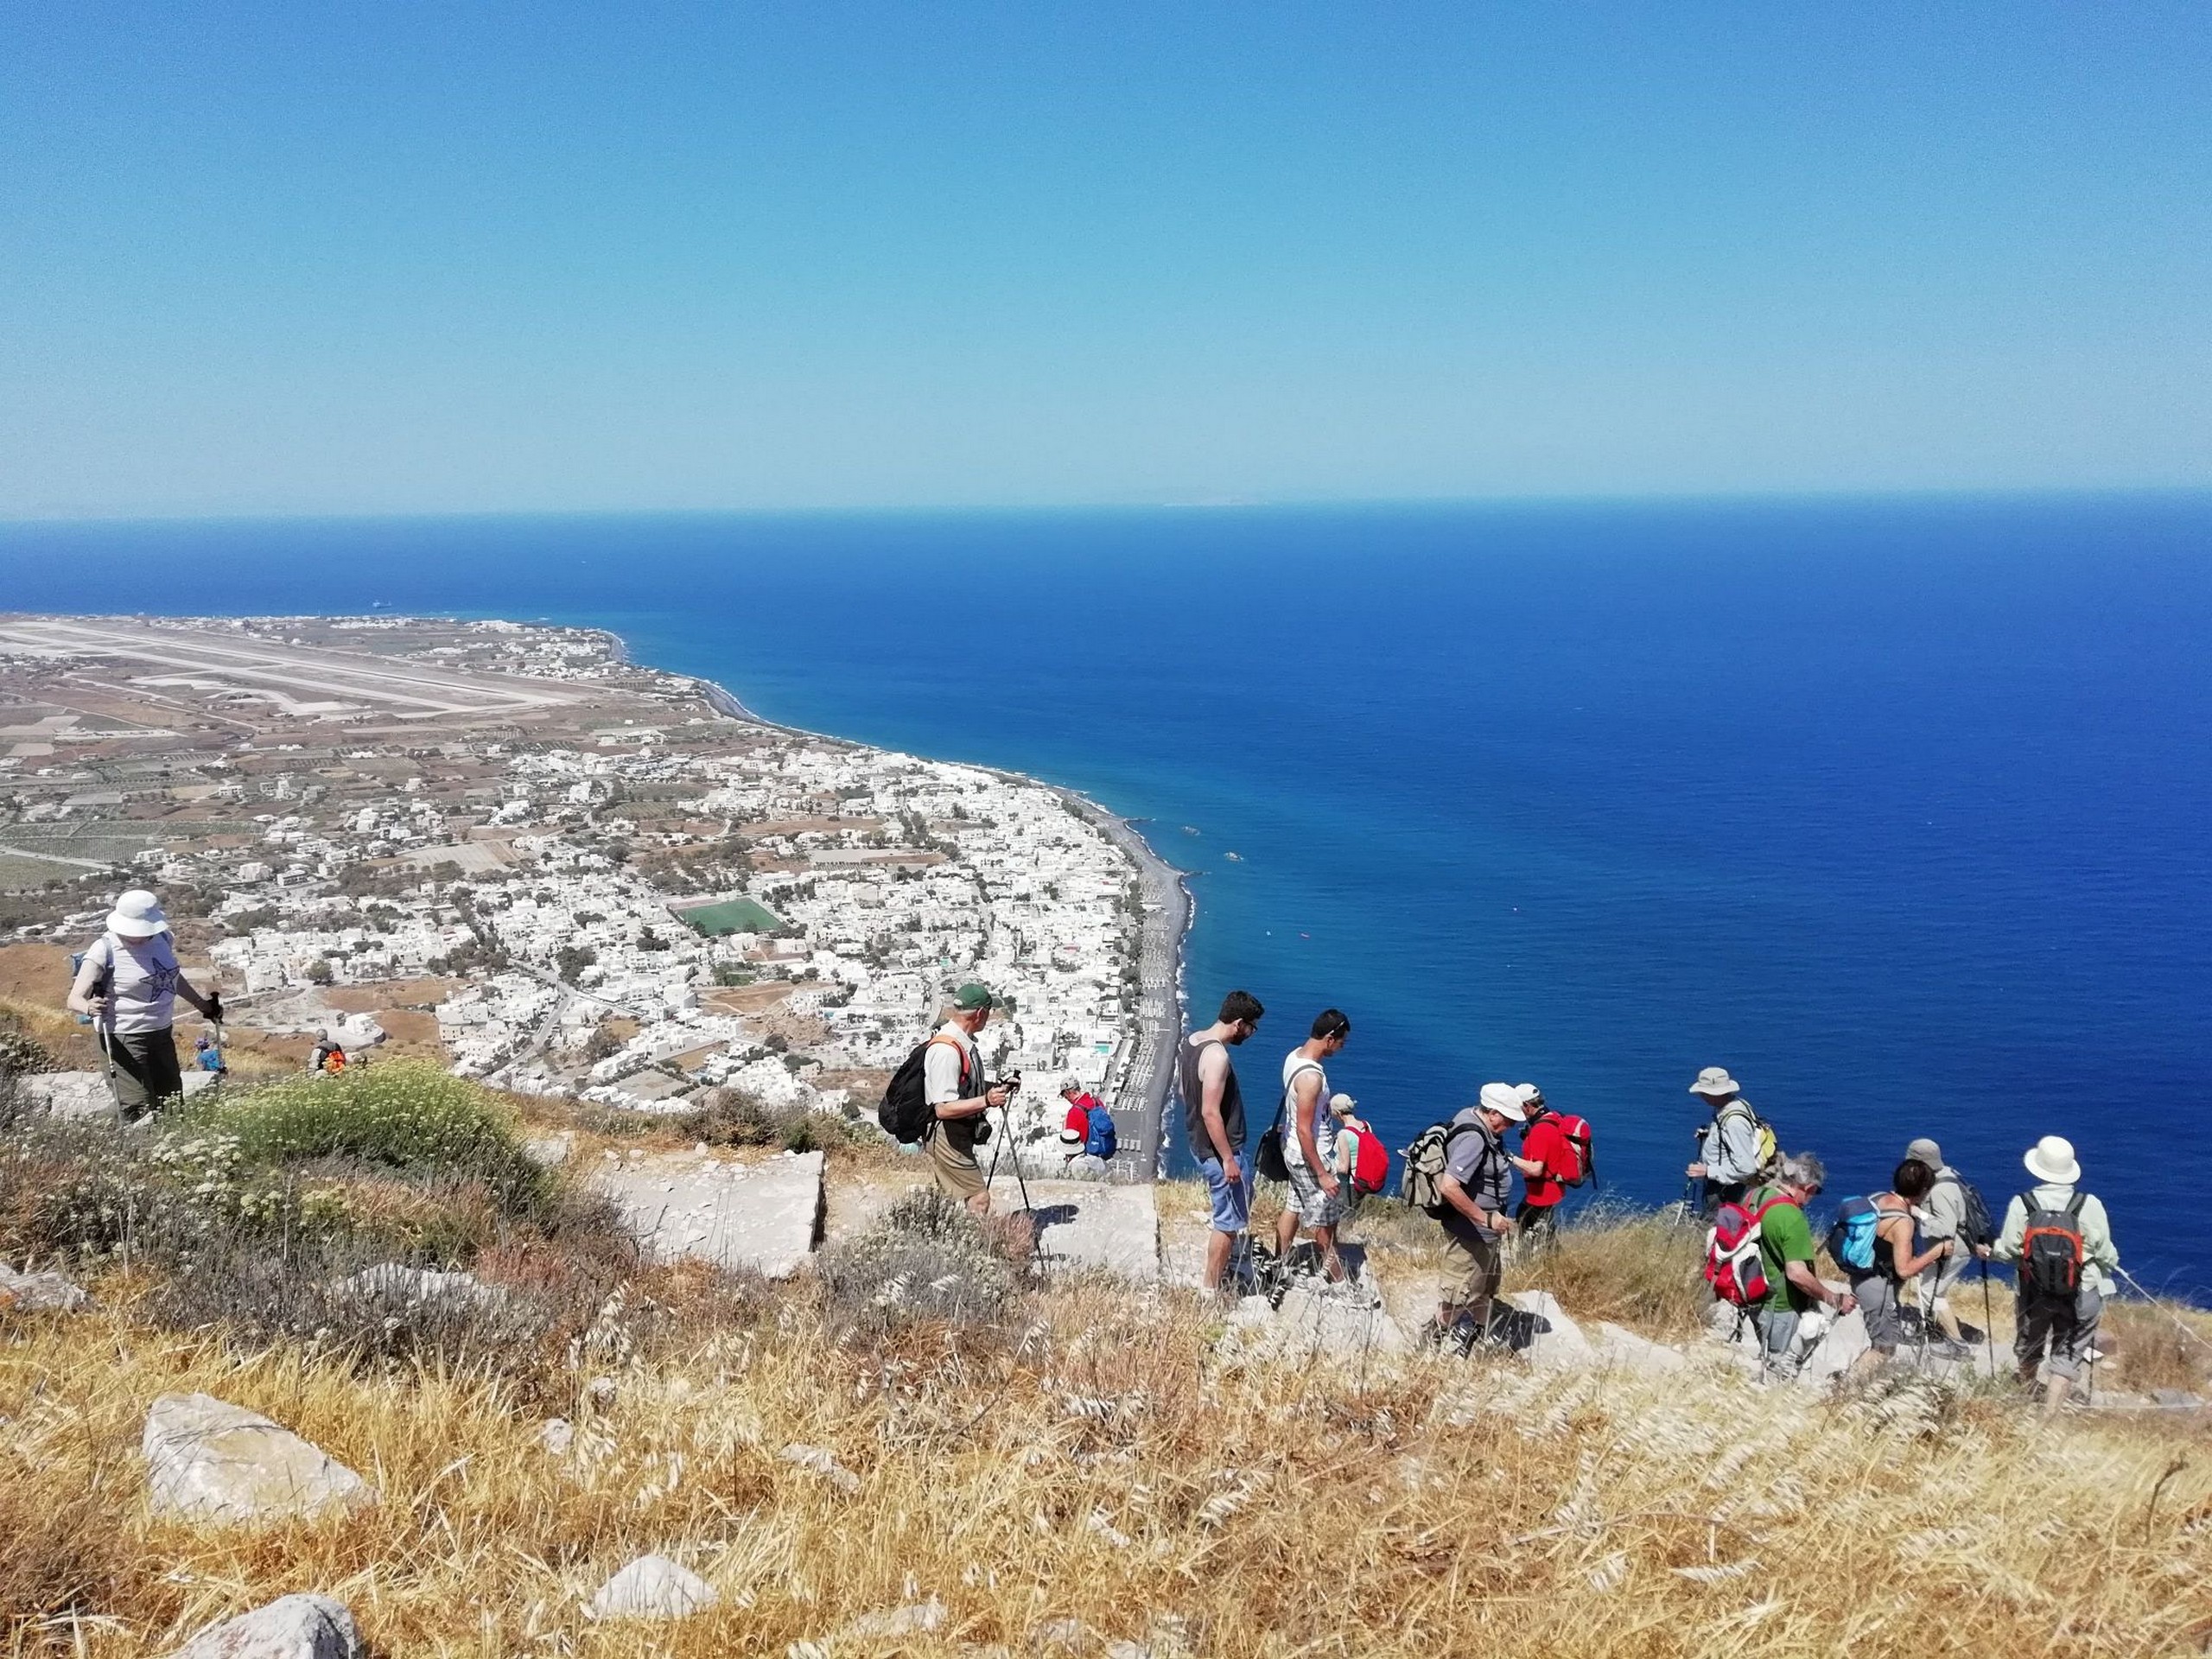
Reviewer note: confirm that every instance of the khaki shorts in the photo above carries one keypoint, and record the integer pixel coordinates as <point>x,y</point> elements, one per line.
<point>1473,1268</point>
<point>958,1175</point>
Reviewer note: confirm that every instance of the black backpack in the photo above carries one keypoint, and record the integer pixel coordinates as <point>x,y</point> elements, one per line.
<point>1977,1231</point>
<point>905,1113</point>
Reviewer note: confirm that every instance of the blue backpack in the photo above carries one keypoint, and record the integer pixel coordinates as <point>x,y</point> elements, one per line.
<point>1098,1137</point>
<point>1850,1239</point>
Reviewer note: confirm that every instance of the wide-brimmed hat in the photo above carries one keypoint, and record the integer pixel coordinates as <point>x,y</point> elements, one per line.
<point>1505,1100</point>
<point>2052,1159</point>
<point>137,915</point>
<point>1715,1081</point>
<point>1071,1137</point>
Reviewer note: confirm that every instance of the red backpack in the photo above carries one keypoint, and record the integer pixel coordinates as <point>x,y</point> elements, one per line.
<point>1370,1161</point>
<point>1733,1264</point>
<point>1577,1132</point>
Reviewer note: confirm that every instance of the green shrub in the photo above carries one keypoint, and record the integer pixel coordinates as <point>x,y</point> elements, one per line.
<point>405,1116</point>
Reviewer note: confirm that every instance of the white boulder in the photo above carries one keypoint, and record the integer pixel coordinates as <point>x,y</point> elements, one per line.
<point>209,1460</point>
<point>652,1586</point>
<point>295,1627</point>
<point>39,1293</point>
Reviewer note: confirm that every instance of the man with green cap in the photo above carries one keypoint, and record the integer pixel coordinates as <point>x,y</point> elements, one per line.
<point>952,1084</point>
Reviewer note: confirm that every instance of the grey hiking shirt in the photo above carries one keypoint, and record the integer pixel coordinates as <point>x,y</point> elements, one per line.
<point>1730,1151</point>
<point>1943,1212</point>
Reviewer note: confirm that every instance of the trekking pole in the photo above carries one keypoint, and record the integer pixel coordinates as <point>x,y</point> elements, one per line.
<point>1988,1320</point>
<point>2136,1284</point>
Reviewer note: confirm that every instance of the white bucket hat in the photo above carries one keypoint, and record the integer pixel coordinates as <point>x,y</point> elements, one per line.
<point>137,915</point>
<point>1715,1081</point>
<point>1505,1100</point>
<point>2052,1159</point>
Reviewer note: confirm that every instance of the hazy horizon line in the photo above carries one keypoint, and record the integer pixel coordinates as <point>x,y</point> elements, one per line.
<point>1564,499</point>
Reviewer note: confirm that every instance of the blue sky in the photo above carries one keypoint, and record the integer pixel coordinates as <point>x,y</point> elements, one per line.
<point>308,259</point>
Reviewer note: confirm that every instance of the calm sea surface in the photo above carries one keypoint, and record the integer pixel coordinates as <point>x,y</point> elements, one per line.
<point>1901,810</point>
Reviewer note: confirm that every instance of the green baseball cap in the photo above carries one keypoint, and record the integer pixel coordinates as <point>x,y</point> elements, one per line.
<point>971,996</point>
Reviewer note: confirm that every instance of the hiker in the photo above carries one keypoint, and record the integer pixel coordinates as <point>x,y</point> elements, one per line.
<point>1361,1160</point>
<point>127,983</point>
<point>326,1058</point>
<point>1947,1212</point>
<point>1872,1243</point>
<point>1474,1189</point>
<point>1786,1247</point>
<point>1079,1101</point>
<point>208,1055</point>
<point>1213,1124</point>
<point>951,1071</point>
<point>2060,1240</point>
<point>1729,1151</point>
<point>1316,1203</point>
<point>1548,1163</point>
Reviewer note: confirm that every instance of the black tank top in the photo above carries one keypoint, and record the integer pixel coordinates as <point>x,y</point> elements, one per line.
<point>1232,1100</point>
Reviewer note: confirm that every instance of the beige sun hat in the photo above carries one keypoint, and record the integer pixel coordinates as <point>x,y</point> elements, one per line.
<point>1505,1100</point>
<point>137,915</point>
<point>2052,1159</point>
<point>1715,1081</point>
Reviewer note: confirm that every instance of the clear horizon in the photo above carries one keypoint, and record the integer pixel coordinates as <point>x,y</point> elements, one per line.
<point>261,262</point>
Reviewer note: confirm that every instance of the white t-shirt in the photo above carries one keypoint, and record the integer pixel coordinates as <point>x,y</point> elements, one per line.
<point>941,1067</point>
<point>142,982</point>
<point>1325,1120</point>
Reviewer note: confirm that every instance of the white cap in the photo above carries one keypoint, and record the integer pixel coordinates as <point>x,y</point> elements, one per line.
<point>2052,1159</point>
<point>1505,1100</point>
<point>1071,1085</point>
<point>137,915</point>
<point>1530,1095</point>
<point>1715,1082</point>
<point>1343,1105</point>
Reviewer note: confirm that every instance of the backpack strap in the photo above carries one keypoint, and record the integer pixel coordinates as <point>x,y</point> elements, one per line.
<point>960,1049</point>
<point>2074,1204</point>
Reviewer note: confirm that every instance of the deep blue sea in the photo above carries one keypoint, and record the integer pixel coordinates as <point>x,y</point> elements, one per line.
<point>1900,809</point>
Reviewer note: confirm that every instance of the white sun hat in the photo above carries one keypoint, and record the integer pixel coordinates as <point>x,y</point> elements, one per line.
<point>1505,1100</point>
<point>1715,1081</point>
<point>137,915</point>
<point>2052,1159</point>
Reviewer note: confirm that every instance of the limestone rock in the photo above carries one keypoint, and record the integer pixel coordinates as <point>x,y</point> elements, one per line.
<point>1532,1324</point>
<point>66,1094</point>
<point>295,1627</point>
<point>209,1460</point>
<point>1313,1322</point>
<point>1623,1349</point>
<point>652,1586</point>
<point>548,1150</point>
<point>39,1293</point>
<point>915,1619</point>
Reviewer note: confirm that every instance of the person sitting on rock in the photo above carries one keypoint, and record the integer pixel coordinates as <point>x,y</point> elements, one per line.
<point>127,984</point>
<point>326,1057</point>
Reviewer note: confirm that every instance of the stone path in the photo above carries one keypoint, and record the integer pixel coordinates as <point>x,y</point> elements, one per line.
<point>766,1216</point>
<point>1090,1224</point>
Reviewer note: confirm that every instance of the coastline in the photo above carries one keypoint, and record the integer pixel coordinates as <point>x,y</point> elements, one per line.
<point>1146,1078</point>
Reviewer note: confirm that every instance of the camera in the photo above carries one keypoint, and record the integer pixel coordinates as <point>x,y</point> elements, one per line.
<point>982,1131</point>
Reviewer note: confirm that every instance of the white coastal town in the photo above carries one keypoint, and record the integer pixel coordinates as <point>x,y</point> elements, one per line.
<point>567,874</point>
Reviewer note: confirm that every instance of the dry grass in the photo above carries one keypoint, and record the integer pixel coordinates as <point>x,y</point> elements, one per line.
<point>1085,1451</point>
<point>2161,1344</point>
<point>1105,1468</point>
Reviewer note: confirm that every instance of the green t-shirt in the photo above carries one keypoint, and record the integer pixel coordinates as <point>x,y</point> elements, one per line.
<point>1784,1236</point>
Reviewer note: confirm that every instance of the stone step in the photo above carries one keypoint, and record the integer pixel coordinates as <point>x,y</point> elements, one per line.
<point>1111,1225</point>
<point>766,1216</point>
